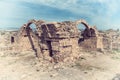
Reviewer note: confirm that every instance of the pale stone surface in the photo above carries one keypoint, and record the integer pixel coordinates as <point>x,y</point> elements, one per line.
<point>57,40</point>
<point>111,39</point>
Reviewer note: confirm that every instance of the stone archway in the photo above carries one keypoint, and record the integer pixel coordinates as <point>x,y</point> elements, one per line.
<point>28,39</point>
<point>90,37</point>
<point>37,24</point>
<point>35,36</point>
<point>89,31</point>
<point>81,21</point>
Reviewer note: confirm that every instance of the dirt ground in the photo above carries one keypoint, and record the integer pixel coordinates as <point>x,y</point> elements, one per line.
<point>90,66</point>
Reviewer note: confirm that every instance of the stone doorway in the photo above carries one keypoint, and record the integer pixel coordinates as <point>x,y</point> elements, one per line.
<point>12,39</point>
<point>50,48</point>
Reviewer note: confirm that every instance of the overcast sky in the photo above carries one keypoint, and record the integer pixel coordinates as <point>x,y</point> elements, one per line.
<point>104,14</point>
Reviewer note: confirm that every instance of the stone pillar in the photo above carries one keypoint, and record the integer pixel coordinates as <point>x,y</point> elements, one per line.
<point>99,42</point>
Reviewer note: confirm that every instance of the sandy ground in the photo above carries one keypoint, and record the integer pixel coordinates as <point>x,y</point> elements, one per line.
<point>90,66</point>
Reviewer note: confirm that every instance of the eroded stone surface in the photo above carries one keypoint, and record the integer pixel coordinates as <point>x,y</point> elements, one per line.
<point>57,41</point>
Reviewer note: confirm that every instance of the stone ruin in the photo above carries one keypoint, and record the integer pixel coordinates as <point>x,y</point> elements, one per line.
<point>57,41</point>
<point>111,39</point>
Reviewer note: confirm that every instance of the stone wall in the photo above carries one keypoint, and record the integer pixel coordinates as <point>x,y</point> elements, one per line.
<point>57,41</point>
<point>89,44</point>
<point>65,48</point>
<point>111,40</point>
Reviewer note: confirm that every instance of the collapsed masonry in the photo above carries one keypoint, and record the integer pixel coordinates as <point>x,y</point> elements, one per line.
<point>111,39</point>
<point>58,41</point>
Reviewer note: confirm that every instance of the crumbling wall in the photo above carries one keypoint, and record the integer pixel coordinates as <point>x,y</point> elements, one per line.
<point>61,38</point>
<point>27,39</point>
<point>57,41</point>
<point>93,43</point>
<point>90,38</point>
<point>89,44</point>
<point>111,40</point>
<point>107,43</point>
<point>64,49</point>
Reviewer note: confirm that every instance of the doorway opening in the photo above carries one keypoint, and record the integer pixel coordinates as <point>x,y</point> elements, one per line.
<point>50,48</point>
<point>12,39</point>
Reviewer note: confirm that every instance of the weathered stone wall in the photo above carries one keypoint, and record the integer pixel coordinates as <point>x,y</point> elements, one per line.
<point>111,40</point>
<point>89,44</point>
<point>58,41</point>
<point>107,43</point>
<point>65,49</point>
<point>61,38</point>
